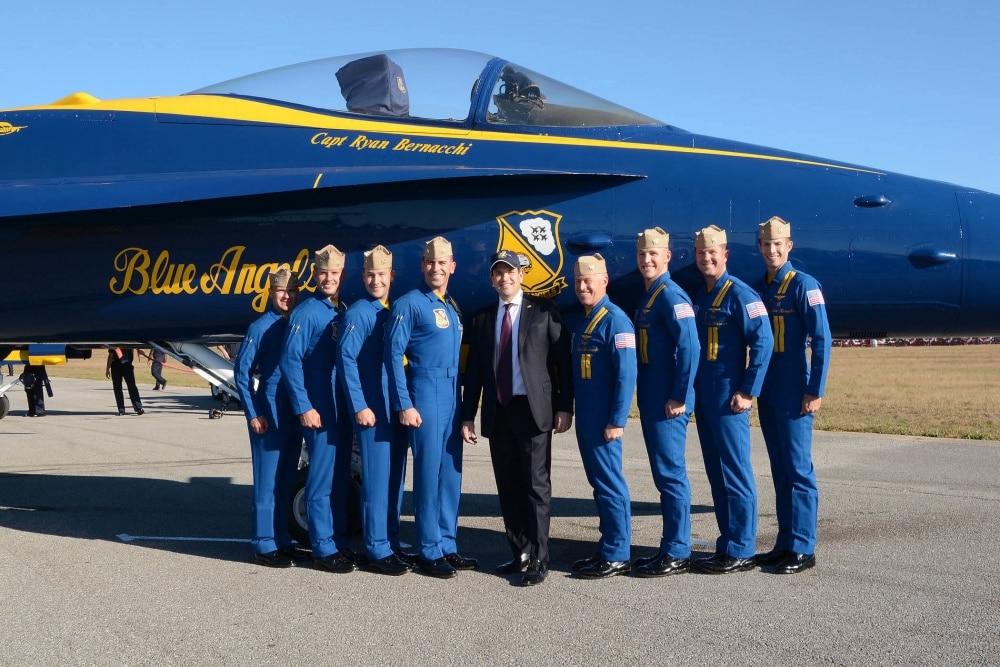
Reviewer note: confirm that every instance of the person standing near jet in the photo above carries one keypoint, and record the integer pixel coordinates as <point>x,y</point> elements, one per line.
<point>519,363</point>
<point>35,380</point>
<point>425,326</point>
<point>604,372</point>
<point>308,366</point>
<point>730,318</point>
<point>381,438</point>
<point>275,438</point>
<point>791,395</point>
<point>668,350</point>
<point>121,367</point>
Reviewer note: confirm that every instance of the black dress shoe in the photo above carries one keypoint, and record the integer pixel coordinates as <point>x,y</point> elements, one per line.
<point>461,562</point>
<point>408,557</point>
<point>603,569</point>
<point>273,559</point>
<point>795,563</point>
<point>646,560</point>
<point>662,567</point>
<point>724,564</point>
<point>296,553</point>
<point>121,413</point>
<point>336,563</point>
<point>534,574</point>
<point>140,411</point>
<point>389,565</point>
<point>772,557</point>
<point>438,568</point>
<point>513,566</point>
<point>585,563</point>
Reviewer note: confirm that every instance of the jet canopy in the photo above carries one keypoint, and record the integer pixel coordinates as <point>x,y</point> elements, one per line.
<point>441,85</point>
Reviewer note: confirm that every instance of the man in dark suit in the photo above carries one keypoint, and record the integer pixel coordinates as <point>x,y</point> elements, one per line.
<point>519,363</point>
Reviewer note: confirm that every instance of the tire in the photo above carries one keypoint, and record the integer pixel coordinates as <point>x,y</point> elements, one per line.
<point>4,406</point>
<point>297,523</point>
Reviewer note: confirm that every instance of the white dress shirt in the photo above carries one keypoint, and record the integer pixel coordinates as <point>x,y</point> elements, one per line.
<point>515,321</point>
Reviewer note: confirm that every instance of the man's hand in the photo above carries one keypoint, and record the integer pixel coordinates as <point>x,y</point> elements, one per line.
<point>810,404</point>
<point>410,417</point>
<point>365,417</point>
<point>469,432</point>
<point>311,419</point>
<point>674,408</point>
<point>612,432</point>
<point>563,421</point>
<point>259,425</point>
<point>740,402</point>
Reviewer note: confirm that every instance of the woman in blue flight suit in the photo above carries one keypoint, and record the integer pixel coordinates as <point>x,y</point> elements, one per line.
<point>275,438</point>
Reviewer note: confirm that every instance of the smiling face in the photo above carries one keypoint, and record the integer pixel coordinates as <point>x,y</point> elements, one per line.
<point>437,272</point>
<point>506,280</point>
<point>377,282</point>
<point>590,289</point>
<point>711,262</point>
<point>328,281</point>
<point>775,253</point>
<point>284,298</point>
<point>652,263</point>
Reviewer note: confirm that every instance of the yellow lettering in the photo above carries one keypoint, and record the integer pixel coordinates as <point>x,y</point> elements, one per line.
<point>361,142</point>
<point>132,263</point>
<point>220,275</point>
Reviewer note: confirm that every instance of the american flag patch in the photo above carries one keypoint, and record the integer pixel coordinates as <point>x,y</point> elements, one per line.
<point>756,309</point>
<point>815,297</point>
<point>625,340</point>
<point>683,310</point>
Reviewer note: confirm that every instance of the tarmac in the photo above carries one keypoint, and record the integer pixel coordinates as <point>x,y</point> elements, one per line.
<point>124,541</point>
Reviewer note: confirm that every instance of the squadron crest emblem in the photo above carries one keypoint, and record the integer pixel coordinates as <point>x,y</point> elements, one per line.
<point>535,235</point>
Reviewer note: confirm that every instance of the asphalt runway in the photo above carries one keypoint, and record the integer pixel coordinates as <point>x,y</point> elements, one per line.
<point>123,541</point>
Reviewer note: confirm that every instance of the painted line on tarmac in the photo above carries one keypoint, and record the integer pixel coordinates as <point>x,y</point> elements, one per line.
<point>125,537</point>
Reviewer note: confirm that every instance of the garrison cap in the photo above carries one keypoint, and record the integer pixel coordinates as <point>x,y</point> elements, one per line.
<point>283,279</point>
<point>774,229</point>
<point>329,259</point>
<point>708,237</point>
<point>653,238</point>
<point>437,248</point>
<point>590,265</point>
<point>508,257</point>
<point>378,257</point>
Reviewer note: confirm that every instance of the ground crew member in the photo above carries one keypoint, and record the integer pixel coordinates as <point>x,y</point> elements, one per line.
<point>604,372</point>
<point>382,439</point>
<point>425,326</point>
<point>308,367</point>
<point>156,369</point>
<point>275,437</point>
<point>667,350</point>
<point>730,318</point>
<point>791,395</point>
<point>121,367</point>
<point>35,380</point>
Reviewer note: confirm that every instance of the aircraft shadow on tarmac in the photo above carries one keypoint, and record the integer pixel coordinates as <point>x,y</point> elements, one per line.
<point>209,517</point>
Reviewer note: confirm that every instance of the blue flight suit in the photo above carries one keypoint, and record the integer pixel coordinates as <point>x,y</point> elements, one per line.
<point>274,453</point>
<point>604,372</point>
<point>795,303</point>
<point>365,384</point>
<point>730,318</point>
<point>308,365</point>
<point>667,348</point>
<point>428,330</point>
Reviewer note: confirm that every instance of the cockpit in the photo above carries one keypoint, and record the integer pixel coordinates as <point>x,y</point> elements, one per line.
<point>439,85</point>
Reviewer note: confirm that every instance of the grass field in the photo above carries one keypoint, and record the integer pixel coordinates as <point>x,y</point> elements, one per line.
<point>948,392</point>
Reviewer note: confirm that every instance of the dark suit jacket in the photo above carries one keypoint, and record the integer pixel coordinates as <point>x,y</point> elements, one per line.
<point>544,357</point>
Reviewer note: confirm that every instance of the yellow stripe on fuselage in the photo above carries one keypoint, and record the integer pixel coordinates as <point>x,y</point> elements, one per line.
<point>248,111</point>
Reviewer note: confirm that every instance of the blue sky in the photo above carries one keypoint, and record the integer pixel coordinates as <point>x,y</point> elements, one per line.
<point>912,87</point>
